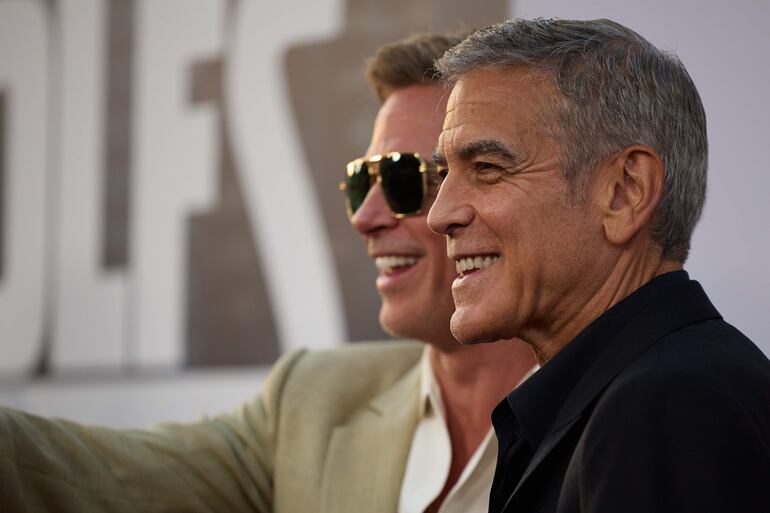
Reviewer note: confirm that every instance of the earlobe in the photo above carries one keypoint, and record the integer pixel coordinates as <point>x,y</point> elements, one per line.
<point>634,184</point>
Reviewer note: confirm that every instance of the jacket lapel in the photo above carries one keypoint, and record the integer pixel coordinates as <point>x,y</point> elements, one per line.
<point>546,447</point>
<point>672,312</point>
<point>367,456</point>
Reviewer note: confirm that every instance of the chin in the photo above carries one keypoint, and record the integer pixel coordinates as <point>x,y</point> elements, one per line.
<point>396,325</point>
<point>467,338</point>
<point>469,331</point>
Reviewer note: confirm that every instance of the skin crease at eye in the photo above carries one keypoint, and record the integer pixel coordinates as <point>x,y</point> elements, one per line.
<point>491,171</point>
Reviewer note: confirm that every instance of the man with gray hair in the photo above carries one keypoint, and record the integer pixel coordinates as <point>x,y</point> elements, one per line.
<point>575,156</point>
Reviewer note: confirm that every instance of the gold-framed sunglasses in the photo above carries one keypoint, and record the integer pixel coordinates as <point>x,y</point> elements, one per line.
<point>402,176</point>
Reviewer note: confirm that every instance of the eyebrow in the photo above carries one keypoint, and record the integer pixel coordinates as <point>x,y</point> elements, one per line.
<point>486,147</point>
<point>476,148</point>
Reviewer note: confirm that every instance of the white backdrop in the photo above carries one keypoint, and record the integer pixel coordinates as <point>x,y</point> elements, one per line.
<point>724,46</point>
<point>108,321</point>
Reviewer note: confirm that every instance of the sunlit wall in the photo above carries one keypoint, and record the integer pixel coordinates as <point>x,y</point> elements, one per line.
<point>169,215</point>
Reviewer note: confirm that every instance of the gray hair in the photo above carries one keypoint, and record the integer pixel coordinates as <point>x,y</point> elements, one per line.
<point>618,90</point>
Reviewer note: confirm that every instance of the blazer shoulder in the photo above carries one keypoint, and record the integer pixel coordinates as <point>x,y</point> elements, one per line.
<point>711,354</point>
<point>352,374</point>
<point>385,359</point>
<point>715,390</point>
<point>709,342</point>
<point>689,444</point>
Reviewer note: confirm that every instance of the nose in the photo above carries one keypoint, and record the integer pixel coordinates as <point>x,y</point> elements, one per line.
<point>449,212</point>
<point>374,213</point>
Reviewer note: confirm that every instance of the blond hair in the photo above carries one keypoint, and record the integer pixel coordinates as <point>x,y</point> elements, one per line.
<point>408,62</point>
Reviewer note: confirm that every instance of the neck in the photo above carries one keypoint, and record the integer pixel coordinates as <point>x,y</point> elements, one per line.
<point>473,380</point>
<point>572,315</point>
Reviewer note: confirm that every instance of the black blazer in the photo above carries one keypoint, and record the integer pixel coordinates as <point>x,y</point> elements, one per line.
<point>672,416</point>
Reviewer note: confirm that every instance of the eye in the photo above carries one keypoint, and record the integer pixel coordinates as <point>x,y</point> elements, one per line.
<point>435,179</point>
<point>487,172</point>
<point>486,167</point>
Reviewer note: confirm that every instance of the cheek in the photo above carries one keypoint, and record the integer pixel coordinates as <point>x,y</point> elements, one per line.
<point>443,274</point>
<point>435,249</point>
<point>441,270</point>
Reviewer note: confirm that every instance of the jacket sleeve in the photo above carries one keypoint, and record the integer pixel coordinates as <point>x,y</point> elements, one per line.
<point>224,463</point>
<point>672,442</point>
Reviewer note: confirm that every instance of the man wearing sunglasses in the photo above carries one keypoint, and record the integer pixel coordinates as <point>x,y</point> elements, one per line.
<point>377,427</point>
<point>388,193</point>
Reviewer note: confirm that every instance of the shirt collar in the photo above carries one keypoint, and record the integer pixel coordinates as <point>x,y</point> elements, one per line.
<point>430,391</point>
<point>531,409</point>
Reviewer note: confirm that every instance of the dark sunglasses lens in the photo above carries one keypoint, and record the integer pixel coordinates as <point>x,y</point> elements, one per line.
<point>402,183</point>
<point>358,182</point>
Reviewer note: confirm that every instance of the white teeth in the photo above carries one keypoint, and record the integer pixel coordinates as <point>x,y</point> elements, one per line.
<point>384,263</point>
<point>479,262</point>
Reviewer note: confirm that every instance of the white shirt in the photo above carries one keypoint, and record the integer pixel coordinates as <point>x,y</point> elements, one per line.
<point>430,457</point>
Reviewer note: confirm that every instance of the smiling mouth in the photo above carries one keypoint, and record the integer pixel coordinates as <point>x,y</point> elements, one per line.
<point>390,264</point>
<point>467,265</point>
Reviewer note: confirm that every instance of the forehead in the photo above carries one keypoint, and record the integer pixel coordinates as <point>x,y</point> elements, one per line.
<point>409,120</point>
<point>496,103</point>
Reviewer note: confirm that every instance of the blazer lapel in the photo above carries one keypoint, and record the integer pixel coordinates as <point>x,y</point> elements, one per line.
<point>546,447</point>
<point>367,456</point>
<point>672,312</point>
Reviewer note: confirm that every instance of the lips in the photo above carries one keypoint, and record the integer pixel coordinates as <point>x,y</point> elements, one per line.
<point>470,263</point>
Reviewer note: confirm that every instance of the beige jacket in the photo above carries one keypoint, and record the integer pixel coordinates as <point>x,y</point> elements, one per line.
<point>330,432</point>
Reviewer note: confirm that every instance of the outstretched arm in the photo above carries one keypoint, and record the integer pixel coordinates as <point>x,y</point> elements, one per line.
<point>221,464</point>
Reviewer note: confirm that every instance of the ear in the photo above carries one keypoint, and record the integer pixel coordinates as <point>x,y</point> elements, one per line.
<point>632,185</point>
